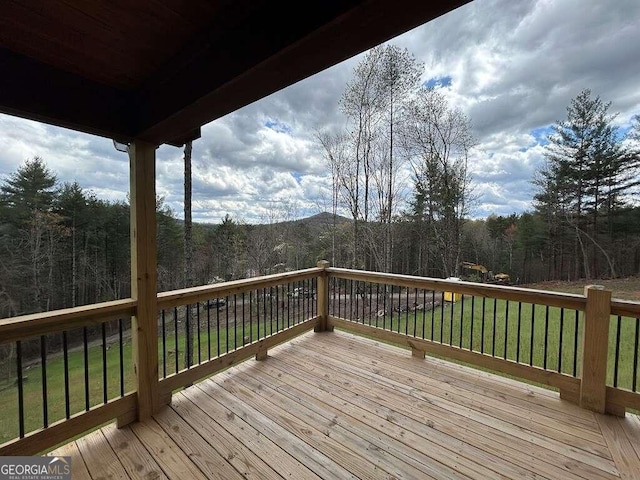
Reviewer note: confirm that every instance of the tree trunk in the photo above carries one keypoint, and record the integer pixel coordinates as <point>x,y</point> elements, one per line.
<point>188,251</point>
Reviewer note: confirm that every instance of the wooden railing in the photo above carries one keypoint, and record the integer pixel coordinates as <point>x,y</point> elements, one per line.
<point>566,341</point>
<point>78,373</point>
<point>74,368</point>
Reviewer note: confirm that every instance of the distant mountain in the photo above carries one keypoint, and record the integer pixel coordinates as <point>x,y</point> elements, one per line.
<point>319,219</point>
<point>324,218</point>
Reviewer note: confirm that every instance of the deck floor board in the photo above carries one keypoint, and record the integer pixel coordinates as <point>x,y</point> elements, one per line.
<point>335,405</point>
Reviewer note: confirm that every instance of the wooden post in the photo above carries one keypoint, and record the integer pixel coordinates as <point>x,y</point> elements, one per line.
<point>323,298</point>
<point>144,328</point>
<point>595,343</point>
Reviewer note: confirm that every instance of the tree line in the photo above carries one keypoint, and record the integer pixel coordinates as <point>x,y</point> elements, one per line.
<point>61,246</point>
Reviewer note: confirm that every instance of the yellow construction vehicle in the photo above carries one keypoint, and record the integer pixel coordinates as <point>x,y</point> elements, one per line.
<point>486,275</point>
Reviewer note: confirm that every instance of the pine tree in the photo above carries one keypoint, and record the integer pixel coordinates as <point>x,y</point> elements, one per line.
<point>585,180</point>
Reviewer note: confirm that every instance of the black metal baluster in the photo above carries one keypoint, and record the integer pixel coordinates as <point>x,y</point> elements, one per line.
<point>250,316</point>
<point>198,332</point>
<point>164,344</point>
<point>533,332</point>
<point>433,313</point>
<point>575,344</point>
<point>235,321</point>
<point>635,357</point>
<point>377,302</point>
<point>371,302</point>
<point>461,318</point>
<point>277,309</point>
<point>339,301</point>
<point>121,355</point>
<point>244,336</point>
<point>351,302</point>
<point>188,337</point>
<point>519,332</point>
<point>364,302</point>
<point>271,310</point>
<point>264,309</point>
<point>484,301</point>
<point>20,382</point>
<point>415,312</point>
<point>384,307</point>
<point>218,325</point>
<point>506,328</point>
<point>399,308</point>
<point>43,363</point>
<point>357,295</point>
<point>495,316</point>
<point>289,304</point>
<point>424,306</point>
<point>617,356</point>
<point>105,391</point>
<point>451,318</point>
<point>85,358</point>
<point>442,319</point>
<point>226,305</point>
<point>406,316</point>
<point>560,340</point>
<point>546,335</point>
<point>175,337</point>
<point>473,321</point>
<point>65,362</point>
<point>208,329</point>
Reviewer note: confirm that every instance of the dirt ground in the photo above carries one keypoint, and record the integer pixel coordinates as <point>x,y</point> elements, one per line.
<point>623,288</point>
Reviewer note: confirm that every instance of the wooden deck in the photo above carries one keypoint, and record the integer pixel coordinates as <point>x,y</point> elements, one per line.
<point>337,406</point>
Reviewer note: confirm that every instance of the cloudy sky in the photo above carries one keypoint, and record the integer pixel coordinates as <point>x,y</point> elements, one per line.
<point>511,66</point>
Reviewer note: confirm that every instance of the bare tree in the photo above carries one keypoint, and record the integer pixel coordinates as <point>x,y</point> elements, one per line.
<point>438,140</point>
<point>336,158</point>
<point>372,101</point>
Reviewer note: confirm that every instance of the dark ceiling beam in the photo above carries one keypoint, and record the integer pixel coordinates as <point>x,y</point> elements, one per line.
<point>202,93</point>
<point>221,52</point>
<point>32,90</point>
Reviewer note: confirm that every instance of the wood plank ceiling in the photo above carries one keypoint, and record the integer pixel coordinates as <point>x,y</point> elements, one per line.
<point>158,70</point>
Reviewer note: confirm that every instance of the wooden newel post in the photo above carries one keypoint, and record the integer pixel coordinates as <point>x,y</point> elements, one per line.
<point>595,343</point>
<point>323,298</point>
<point>144,328</point>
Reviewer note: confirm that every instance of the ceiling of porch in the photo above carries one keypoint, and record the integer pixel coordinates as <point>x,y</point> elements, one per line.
<point>158,70</point>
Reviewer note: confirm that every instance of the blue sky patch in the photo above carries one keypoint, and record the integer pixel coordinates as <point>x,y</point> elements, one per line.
<point>278,126</point>
<point>438,82</point>
<point>541,134</point>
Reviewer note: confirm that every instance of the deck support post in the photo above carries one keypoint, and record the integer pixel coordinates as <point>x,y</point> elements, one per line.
<point>417,353</point>
<point>144,327</point>
<point>595,343</point>
<point>323,298</point>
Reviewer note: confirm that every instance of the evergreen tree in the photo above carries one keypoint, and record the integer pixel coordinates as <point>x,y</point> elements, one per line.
<point>586,177</point>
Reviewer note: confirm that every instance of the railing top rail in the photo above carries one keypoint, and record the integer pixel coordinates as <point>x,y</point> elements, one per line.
<point>525,295</point>
<point>625,308</point>
<point>25,326</point>
<point>196,294</point>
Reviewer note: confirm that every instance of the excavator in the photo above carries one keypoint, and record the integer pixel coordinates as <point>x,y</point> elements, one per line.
<point>486,275</point>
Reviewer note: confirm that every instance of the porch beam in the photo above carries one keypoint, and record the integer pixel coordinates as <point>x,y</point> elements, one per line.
<point>142,156</point>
